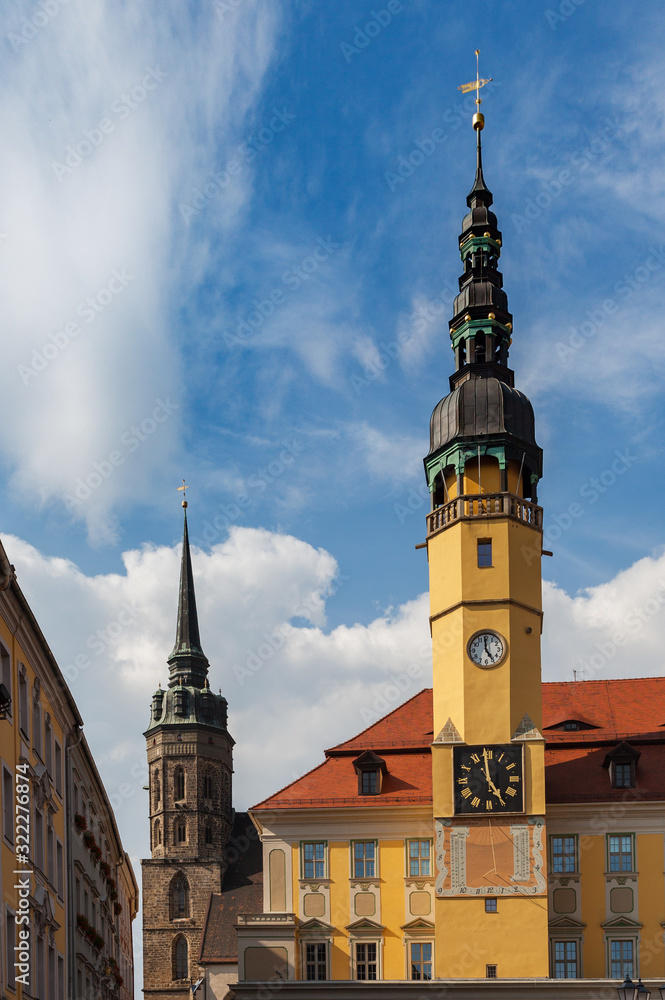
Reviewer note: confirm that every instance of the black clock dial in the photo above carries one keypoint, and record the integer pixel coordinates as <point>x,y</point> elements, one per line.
<point>488,779</point>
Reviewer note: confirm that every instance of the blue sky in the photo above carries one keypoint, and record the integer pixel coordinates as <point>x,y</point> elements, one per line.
<point>211,268</point>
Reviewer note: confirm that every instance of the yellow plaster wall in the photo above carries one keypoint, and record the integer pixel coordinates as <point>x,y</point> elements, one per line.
<point>650,886</point>
<point>515,939</point>
<point>592,883</point>
<point>340,899</point>
<point>391,873</point>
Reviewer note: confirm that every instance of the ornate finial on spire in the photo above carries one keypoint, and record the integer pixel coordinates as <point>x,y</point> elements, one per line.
<point>478,118</point>
<point>184,489</point>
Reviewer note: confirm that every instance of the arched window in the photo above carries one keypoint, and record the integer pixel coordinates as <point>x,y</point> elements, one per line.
<point>179,897</point>
<point>208,834</point>
<point>178,784</point>
<point>157,798</point>
<point>207,785</point>
<point>180,831</point>
<point>180,963</point>
<point>157,834</point>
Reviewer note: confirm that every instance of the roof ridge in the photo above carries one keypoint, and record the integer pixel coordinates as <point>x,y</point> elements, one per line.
<point>604,680</point>
<point>351,739</point>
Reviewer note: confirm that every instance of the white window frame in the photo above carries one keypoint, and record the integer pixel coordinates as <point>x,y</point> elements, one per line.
<point>364,860</point>
<point>559,939</point>
<point>314,877</point>
<point>6,676</point>
<point>8,803</point>
<point>315,942</point>
<point>355,942</point>
<point>10,955</point>
<point>419,940</point>
<point>419,841</point>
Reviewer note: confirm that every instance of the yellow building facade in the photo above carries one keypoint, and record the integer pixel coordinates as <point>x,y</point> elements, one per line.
<point>46,953</point>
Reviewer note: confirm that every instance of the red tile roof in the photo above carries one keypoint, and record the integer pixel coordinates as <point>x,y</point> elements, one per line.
<point>631,710</point>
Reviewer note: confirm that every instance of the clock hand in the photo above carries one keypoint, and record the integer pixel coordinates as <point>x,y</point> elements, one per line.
<point>495,790</point>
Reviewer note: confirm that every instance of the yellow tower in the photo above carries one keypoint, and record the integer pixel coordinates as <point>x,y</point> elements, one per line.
<point>484,543</point>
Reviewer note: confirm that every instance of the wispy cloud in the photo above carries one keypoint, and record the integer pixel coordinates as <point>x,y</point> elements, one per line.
<point>111,114</point>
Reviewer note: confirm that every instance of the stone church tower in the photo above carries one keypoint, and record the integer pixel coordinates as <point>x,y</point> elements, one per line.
<point>190,763</point>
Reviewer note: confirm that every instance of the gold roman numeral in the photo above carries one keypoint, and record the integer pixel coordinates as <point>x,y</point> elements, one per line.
<point>475,801</point>
<point>509,767</point>
<point>463,781</point>
<point>488,804</point>
<point>466,792</point>
<point>515,777</point>
<point>475,758</point>
<point>511,791</point>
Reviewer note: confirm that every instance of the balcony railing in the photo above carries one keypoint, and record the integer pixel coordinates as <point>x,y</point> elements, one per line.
<point>466,508</point>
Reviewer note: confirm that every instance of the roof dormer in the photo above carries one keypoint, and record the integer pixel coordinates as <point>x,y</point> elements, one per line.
<point>370,769</point>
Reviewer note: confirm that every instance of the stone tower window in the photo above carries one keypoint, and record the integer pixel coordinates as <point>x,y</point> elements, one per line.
<point>179,899</point>
<point>157,788</point>
<point>157,834</point>
<point>180,831</point>
<point>207,785</point>
<point>178,784</point>
<point>208,834</point>
<point>180,963</point>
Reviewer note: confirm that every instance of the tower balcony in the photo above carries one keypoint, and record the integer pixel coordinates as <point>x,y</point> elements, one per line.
<point>478,506</point>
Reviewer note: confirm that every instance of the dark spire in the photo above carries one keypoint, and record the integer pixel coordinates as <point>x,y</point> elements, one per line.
<point>479,194</point>
<point>187,663</point>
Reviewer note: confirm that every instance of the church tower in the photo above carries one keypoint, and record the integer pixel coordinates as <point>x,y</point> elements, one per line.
<point>484,541</point>
<point>190,764</point>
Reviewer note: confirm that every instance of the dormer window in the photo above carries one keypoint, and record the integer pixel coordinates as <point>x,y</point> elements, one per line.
<point>571,727</point>
<point>621,762</point>
<point>370,770</point>
<point>370,782</point>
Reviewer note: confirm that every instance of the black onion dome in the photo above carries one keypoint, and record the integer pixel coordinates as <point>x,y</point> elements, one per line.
<point>482,407</point>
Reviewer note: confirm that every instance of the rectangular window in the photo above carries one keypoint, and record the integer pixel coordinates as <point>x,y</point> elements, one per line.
<point>10,944</point>
<point>59,869</point>
<point>623,775</point>
<point>419,858</point>
<point>23,702</point>
<point>7,805</point>
<point>38,841</point>
<point>491,905</point>
<point>364,856</point>
<point>6,675</point>
<point>565,960</point>
<point>58,768</point>
<point>77,894</point>
<point>314,860</point>
<point>48,748</point>
<point>484,552</point>
<point>50,855</point>
<point>564,854</point>
<point>40,962</point>
<point>621,959</point>
<point>37,727</point>
<point>315,962</point>
<point>370,783</point>
<point>620,851</point>
<point>490,971</point>
<point>421,959</point>
<point>366,961</point>
<point>52,995</point>
<point>61,978</point>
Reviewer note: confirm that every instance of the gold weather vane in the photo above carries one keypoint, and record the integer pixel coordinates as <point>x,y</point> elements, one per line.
<point>184,489</point>
<point>478,119</point>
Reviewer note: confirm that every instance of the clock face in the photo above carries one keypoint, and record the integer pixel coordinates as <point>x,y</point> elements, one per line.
<point>488,779</point>
<point>486,649</point>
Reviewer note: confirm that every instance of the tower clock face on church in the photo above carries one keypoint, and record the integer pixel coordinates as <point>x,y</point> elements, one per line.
<point>488,779</point>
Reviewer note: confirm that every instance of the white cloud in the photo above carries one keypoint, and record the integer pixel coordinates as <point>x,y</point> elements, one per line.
<point>101,144</point>
<point>612,630</point>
